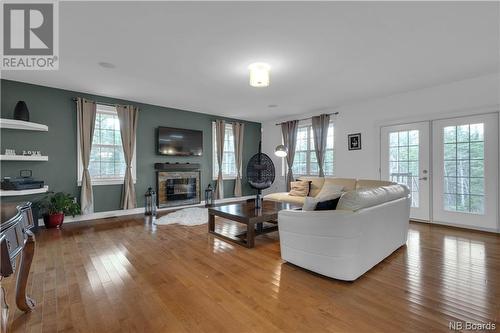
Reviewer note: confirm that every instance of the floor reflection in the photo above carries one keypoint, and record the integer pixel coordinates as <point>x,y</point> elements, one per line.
<point>464,268</point>
<point>414,259</point>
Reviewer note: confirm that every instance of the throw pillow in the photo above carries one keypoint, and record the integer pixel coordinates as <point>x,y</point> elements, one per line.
<point>330,189</point>
<point>309,203</point>
<point>299,188</point>
<point>328,204</point>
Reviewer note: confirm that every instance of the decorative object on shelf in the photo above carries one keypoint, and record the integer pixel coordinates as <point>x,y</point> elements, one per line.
<point>260,174</point>
<point>55,206</point>
<point>281,151</point>
<point>25,181</point>
<point>21,111</point>
<point>354,141</point>
<point>10,152</point>
<point>150,202</point>
<point>209,196</point>
<point>32,153</point>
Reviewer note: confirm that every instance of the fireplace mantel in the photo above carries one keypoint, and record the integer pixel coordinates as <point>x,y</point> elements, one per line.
<point>177,166</point>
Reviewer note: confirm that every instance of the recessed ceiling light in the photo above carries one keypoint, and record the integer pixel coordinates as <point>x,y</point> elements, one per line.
<point>106,64</point>
<point>259,74</point>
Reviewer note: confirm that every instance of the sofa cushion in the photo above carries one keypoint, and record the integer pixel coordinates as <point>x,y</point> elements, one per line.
<point>370,183</point>
<point>284,197</point>
<point>316,184</point>
<point>349,184</point>
<point>300,188</point>
<point>369,197</point>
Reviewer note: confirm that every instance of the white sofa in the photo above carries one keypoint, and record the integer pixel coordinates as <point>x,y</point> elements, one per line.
<point>318,182</point>
<point>368,225</point>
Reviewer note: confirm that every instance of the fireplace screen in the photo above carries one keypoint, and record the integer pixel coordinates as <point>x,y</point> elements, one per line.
<point>178,188</point>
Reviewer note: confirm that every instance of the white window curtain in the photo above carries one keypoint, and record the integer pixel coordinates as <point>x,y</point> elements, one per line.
<point>128,116</point>
<point>238,131</point>
<point>220,130</point>
<point>86,114</point>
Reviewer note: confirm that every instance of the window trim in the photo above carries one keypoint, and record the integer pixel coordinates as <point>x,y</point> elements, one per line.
<point>103,181</point>
<point>214,156</point>
<point>308,124</point>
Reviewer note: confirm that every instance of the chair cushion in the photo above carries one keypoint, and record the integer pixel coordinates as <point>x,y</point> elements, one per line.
<point>316,184</point>
<point>349,184</point>
<point>299,188</point>
<point>369,197</point>
<point>284,197</point>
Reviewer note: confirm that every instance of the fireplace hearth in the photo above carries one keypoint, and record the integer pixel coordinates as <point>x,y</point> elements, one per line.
<point>177,184</point>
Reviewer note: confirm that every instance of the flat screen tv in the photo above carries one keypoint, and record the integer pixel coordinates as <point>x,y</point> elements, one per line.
<point>179,142</point>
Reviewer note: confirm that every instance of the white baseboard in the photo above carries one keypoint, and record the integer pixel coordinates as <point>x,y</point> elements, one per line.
<point>139,210</point>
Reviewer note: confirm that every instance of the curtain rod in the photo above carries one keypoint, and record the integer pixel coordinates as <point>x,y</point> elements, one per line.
<point>333,113</point>
<point>103,103</point>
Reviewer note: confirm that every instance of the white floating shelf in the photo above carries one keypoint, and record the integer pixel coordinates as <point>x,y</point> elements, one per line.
<point>22,125</point>
<point>4,193</point>
<point>23,158</point>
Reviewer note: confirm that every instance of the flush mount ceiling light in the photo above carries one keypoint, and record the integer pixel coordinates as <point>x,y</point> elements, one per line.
<point>259,74</point>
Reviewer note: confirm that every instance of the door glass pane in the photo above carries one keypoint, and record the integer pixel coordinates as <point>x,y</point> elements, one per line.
<point>464,168</point>
<point>404,161</point>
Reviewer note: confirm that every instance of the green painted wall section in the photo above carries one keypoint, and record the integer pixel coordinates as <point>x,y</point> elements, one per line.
<point>56,109</point>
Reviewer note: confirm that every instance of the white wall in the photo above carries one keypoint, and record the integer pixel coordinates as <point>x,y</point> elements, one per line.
<point>463,97</point>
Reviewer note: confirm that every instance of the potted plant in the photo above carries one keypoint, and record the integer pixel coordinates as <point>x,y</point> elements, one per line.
<point>55,206</point>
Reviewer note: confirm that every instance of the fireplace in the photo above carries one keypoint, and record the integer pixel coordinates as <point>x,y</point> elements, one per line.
<point>177,184</point>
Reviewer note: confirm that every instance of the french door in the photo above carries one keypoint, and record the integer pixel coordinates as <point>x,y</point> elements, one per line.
<point>460,185</point>
<point>405,159</point>
<point>465,163</point>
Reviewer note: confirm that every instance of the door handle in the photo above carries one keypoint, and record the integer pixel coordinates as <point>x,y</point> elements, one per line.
<point>423,178</point>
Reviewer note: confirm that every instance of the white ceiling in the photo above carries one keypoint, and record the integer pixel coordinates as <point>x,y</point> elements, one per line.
<point>194,56</point>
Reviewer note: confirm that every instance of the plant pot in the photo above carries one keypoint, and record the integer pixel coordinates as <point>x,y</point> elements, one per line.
<point>53,220</point>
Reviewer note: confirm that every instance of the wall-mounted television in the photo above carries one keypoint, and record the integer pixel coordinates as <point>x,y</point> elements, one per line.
<point>179,142</point>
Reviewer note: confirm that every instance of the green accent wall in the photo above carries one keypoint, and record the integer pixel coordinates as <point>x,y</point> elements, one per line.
<point>56,109</point>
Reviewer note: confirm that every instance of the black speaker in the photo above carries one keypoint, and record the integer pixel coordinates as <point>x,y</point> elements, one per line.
<point>21,111</point>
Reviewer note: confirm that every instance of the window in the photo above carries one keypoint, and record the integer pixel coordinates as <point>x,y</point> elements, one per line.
<point>404,161</point>
<point>228,161</point>
<point>305,162</point>
<point>464,168</point>
<point>107,162</point>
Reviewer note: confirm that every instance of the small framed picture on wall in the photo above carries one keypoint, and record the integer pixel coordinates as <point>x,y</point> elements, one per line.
<point>354,141</point>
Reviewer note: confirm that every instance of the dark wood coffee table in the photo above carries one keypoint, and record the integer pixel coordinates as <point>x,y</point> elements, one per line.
<point>245,213</point>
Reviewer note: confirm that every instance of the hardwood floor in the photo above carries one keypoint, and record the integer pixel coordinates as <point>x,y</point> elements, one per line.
<point>125,275</point>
